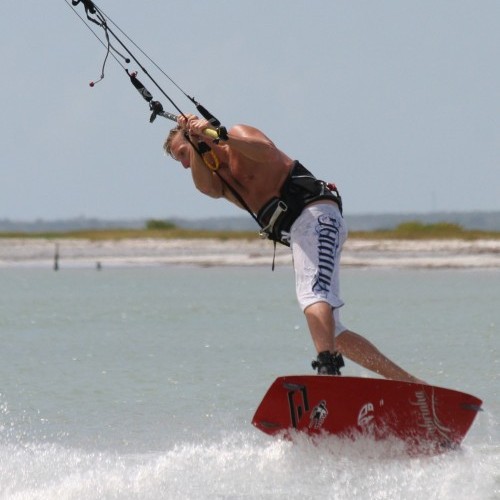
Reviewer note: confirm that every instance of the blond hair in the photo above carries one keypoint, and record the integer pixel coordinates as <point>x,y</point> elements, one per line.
<point>167,145</point>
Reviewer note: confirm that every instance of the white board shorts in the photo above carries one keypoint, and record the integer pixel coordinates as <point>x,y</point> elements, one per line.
<point>316,240</point>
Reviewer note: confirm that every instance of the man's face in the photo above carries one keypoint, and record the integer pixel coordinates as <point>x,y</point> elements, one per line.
<point>180,150</point>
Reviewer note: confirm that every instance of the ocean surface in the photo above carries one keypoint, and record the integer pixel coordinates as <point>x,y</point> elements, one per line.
<point>141,382</point>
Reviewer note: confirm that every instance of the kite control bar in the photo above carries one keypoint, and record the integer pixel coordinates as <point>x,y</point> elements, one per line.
<point>157,110</point>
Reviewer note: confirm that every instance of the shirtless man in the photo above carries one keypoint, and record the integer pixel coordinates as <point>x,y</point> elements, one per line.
<point>295,209</point>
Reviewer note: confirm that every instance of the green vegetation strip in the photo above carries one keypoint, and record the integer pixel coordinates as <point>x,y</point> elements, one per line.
<point>415,230</point>
<point>164,230</point>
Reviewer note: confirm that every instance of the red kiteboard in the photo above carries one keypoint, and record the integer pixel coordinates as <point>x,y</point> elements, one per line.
<point>428,419</point>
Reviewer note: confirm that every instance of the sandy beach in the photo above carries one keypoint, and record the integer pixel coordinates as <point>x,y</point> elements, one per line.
<point>439,254</point>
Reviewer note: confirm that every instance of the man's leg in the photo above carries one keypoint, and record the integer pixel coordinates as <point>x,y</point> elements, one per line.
<point>361,351</point>
<point>321,325</point>
<point>319,232</point>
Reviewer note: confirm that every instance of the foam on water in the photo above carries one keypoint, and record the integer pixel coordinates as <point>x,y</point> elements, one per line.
<point>247,465</point>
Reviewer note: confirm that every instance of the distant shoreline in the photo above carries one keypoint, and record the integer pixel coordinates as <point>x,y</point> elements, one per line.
<point>40,252</point>
<point>412,230</point>
<point>483,220</point>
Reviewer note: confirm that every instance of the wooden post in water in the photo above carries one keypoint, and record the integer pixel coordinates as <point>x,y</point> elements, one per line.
<point>56,258</point>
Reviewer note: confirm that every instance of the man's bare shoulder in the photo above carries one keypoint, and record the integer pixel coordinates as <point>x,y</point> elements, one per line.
<point>242,130</point>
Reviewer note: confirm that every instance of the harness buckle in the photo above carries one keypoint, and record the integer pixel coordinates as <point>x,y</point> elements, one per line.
<point>281,207</point>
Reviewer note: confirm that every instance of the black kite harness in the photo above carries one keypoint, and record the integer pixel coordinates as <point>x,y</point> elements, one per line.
<point>300,189</point>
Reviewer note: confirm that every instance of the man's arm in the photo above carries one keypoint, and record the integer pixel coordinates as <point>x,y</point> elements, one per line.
<point>208,182</point>
<point>243,140</point>
<point>205,180</point>
<point>246,140</point>
<point>252,143</point>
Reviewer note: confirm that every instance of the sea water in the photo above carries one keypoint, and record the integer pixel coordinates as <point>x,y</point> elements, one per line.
<point>140,383</point>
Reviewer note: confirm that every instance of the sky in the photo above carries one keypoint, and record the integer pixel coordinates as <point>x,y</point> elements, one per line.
<point>397,102</point>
